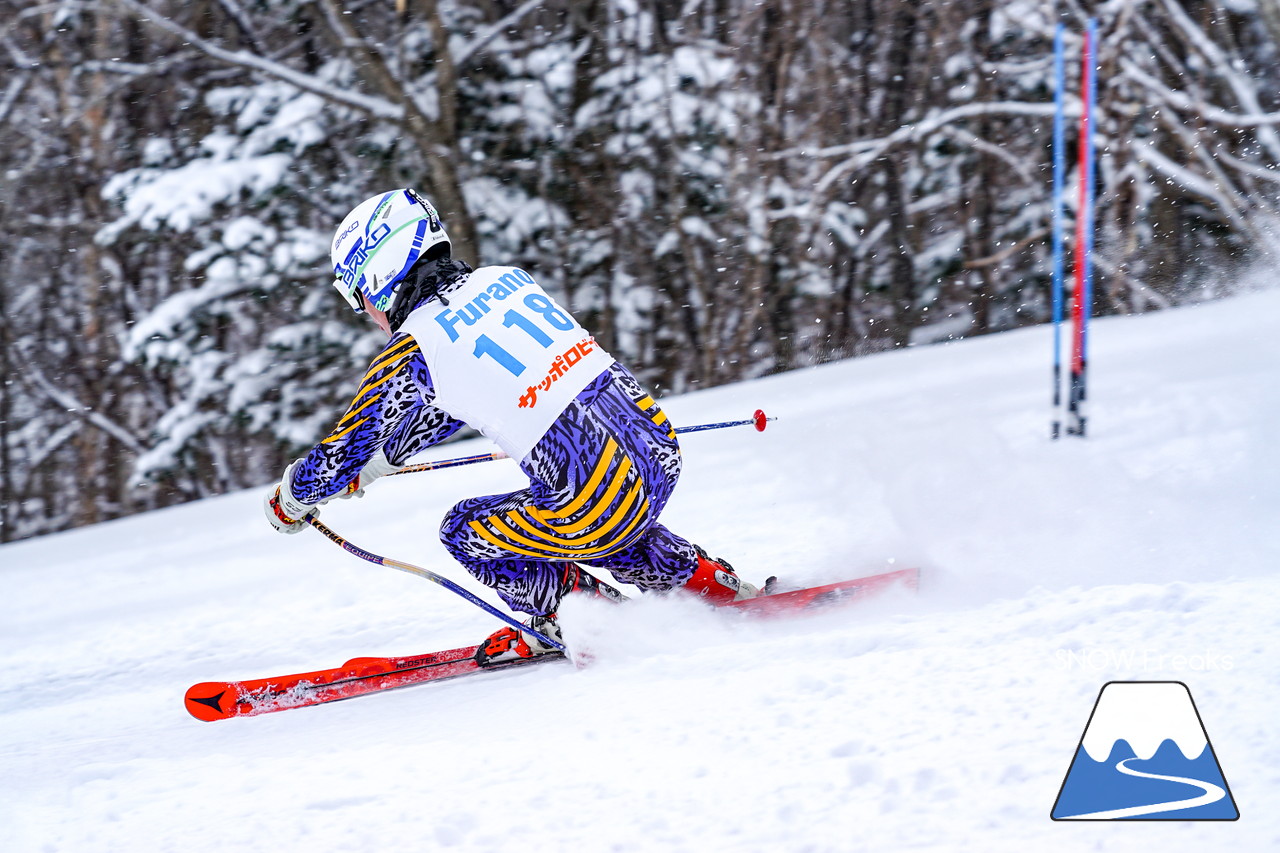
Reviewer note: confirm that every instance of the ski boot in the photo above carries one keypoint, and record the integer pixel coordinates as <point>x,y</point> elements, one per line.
<point>717,582</point>
<point>508,644</point>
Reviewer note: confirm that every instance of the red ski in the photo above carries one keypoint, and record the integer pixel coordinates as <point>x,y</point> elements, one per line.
<point>830,595</point>
<point>220,700</point>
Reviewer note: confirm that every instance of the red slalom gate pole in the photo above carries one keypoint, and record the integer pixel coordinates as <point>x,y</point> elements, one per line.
<point>1081,307</point>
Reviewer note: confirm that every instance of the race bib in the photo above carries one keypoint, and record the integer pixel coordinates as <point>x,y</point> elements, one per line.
<point>504,356</point>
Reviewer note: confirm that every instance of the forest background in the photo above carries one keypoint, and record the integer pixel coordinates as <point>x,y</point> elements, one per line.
<point>719,189</point>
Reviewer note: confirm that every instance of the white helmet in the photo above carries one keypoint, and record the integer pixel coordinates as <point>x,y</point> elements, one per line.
<point>378,243</point>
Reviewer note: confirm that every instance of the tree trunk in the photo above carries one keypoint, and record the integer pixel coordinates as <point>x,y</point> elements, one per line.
<point>902,288</point>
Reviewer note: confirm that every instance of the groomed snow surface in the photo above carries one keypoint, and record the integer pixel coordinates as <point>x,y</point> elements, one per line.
<point>940,722</point>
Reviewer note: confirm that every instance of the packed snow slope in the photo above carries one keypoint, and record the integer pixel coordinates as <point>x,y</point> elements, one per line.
<point>940,722</point>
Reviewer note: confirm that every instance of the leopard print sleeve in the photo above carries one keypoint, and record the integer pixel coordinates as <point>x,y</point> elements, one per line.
<point>389,410</point>
<point>424,427</point>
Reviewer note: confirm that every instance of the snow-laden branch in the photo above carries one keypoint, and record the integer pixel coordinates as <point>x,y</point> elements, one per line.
<point>1241,84</point>
<point>1137,287</point>
<point>482,41</point>
<point>1180,100</point>
<point>381,69</point>
<point>1000,152</point>
<point>373,106</point>
<point>160,67</point>
<point>1248,168</point>
<point>1188,180</point>
<point>1007,252</point>
<point>867,151</point>
<point>12,93</point>
<point>68,401</point>
<point>243,23</point>
<point>924,127</point>
<point>46,449</point>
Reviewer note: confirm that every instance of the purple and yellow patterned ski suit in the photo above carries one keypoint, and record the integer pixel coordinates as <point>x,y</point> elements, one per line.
<point>489,354</point>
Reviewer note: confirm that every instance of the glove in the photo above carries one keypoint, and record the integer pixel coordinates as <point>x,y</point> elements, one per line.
<point>285,512</point>
<point>378,466</point>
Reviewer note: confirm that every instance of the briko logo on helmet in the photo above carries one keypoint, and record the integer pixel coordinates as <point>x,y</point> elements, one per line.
<point>391,232</point>
<point>337,243</point>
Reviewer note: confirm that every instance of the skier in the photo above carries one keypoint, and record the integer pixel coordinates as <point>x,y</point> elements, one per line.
<point>490,349</point>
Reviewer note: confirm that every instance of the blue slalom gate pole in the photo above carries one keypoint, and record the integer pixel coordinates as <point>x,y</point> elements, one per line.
<point>1059,218</point>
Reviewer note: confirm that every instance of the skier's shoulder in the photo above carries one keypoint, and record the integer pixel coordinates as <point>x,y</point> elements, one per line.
<point>499,277</point>
<point>494,272</point>
<point>497,270</point>
<point>398,353</point>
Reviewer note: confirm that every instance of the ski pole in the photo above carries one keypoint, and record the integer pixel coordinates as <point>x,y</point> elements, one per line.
<point>450,463</point>
<point>759,420</point>
<point>431,576</point>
